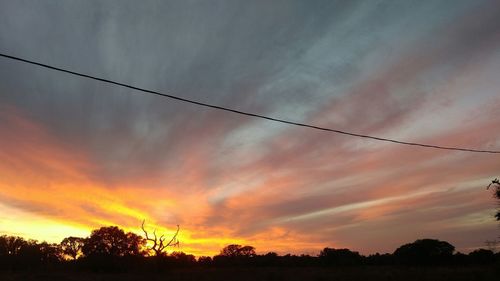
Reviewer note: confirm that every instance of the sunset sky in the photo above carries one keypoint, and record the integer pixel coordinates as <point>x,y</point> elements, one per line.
<point>77,154</point>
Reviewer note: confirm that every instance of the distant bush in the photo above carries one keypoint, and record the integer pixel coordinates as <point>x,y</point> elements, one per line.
<point>425,252</point>
<point>329,256</point>
<point>482,256</point>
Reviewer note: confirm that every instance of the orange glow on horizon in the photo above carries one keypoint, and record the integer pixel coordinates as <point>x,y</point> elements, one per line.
<point>49,191</point>
<point>72,204</point>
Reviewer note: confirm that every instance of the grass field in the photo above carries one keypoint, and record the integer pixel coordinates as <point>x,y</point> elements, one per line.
<point>253,274</point>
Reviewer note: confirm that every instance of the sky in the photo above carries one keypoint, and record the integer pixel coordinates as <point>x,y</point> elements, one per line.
<point>77,154</point>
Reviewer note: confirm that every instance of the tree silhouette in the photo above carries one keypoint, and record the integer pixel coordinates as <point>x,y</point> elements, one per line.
<point>72,246</point>
<point>482,256</point>
<point>48,252</point>
<point>425,251</point>
<point>205,260</point>
<point>331,256</point>
<point>16,252</point>
<point>160,243</point>
<point>11,245</point>
<point>235,250</point>
<point>235,254</point>
<point>182,258</point>
<point>110,249</point>
<point>113,241</point>
<point>45,253</point>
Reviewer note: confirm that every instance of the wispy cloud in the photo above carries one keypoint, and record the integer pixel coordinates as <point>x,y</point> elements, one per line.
<point>78,154</point>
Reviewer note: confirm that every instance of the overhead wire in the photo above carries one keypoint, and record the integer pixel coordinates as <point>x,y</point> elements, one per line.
<point>218,107</point>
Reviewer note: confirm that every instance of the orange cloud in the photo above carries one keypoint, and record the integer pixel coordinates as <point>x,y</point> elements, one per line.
<point>45,182</point>
<point>286,190</point>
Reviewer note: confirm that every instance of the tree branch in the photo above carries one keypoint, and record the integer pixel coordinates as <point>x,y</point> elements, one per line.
<point>159,244</point>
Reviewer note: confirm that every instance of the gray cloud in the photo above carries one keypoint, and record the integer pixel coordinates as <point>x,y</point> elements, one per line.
<point>372,67</point>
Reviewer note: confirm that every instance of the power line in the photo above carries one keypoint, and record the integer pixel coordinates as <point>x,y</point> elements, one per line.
<point>247,113</point>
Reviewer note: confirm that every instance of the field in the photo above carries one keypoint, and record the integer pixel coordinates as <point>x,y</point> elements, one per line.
<point>274,274</point>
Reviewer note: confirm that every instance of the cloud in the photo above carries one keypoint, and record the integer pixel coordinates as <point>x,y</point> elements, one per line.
<point>86,154</point>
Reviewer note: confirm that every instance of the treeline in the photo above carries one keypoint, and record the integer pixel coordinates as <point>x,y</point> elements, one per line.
<point>110,248</point>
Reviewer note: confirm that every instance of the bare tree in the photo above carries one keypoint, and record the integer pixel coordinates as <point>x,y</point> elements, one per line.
<point>160,243</point>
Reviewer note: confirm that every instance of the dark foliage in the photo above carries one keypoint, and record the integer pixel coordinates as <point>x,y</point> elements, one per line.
<point>234,250</point>
<point>234,254</point>
<point>110,249</point>
<point>329,256</point>
<point>113,241</point>
<point>72,247</point>
<point>182,259</point>
<point>425,252</point>
<point>17,253</point>
<point>205,261</point>
<point>379,259</point>
<point>481,256</point>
